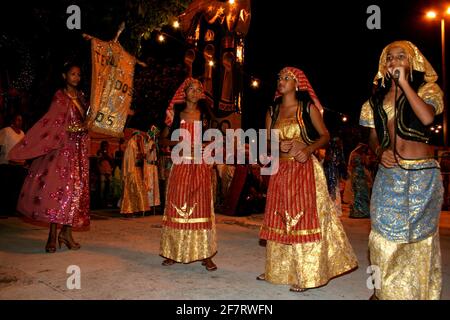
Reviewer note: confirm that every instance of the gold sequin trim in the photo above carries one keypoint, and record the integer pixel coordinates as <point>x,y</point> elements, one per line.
<point>187,220</point>
<point>287,158</point>
<point>294,233</point>
<point>74,129</point>
<point>289,222</point>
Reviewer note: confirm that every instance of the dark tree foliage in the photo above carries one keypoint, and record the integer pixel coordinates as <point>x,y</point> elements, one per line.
<point>35,42</point>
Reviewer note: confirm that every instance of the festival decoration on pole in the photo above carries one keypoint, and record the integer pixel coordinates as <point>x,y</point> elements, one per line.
<point>215,32</point>
<point>112,85</point>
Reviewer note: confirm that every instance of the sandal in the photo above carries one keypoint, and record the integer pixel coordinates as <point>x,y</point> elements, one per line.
<point>168,262</point>
<point>295,288</point>
<point>261,277</point>
<point>209,265</point>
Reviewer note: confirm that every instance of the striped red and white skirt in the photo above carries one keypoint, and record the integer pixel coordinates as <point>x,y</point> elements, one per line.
<point>291,210</point>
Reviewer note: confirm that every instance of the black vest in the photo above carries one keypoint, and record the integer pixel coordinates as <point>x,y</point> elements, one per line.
<point>204,118</point>
<point>409,127</point>
<point>307,130</point>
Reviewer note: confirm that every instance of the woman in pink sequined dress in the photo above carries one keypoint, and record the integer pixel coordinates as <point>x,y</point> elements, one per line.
<point>56,190</point>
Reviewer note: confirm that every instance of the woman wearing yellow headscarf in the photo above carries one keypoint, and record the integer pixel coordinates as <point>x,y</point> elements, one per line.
<point>407,193</point>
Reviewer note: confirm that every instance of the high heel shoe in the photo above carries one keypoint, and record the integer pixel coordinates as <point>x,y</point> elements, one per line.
<point>50,247</point>
<point>71,245</point>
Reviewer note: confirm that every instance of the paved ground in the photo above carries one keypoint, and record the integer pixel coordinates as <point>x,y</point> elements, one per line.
<point>119,260</point>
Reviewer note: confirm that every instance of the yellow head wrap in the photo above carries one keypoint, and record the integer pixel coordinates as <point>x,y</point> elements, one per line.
<point>416,59</point>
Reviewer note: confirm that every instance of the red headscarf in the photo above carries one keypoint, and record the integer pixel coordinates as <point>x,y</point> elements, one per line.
<point>302,85</point>
<point>180,97</point>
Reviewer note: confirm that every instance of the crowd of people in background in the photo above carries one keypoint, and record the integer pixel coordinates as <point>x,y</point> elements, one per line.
<point>349,176</point>
<point>147,165</point>
<point>49,175</point>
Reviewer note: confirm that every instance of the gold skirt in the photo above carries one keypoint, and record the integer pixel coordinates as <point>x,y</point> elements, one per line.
<point>187,246</point>
<point>134,198</point>
<point>197,241</point>
<point>313,264</point>
<point>409,271</point>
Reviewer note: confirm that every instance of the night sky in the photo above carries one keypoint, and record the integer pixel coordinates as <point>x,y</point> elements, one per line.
<point>329,40</point>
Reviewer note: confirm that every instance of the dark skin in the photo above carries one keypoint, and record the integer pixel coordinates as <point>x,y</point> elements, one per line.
<point>72,78</point>
<point>288,109</point>
<point>296,148</point>
<point>16,124</point>
<point>397,60</point>
<point>190,114</point>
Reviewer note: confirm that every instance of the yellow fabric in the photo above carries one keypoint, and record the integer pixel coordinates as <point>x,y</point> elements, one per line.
<point>429,92</point>
<point>289,129</point>
<point>409,271</point>
<point>296,232</point>
<point>416,60</point>
<point>313,264</point>
<point>151,180</point>
<point>187,246</point>
<point>111,88</point>
<point>134,197</point>
<point>187,219</point>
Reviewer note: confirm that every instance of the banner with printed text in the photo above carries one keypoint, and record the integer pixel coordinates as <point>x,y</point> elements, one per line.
<point>111,88</point>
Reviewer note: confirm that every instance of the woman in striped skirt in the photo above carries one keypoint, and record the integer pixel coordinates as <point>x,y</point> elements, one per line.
<point>189,231</point>
<point>306,242</point>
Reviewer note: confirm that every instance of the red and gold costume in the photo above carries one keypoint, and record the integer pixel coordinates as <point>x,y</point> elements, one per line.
<point>188,232</point>
<point>306,242</point>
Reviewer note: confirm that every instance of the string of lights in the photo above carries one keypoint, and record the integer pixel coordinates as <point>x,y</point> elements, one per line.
<point>255,82</point>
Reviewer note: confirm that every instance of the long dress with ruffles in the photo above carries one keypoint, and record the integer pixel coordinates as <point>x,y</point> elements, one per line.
<point>56,189</point>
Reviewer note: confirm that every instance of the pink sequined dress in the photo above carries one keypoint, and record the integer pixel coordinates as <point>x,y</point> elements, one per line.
<point>56,189</point>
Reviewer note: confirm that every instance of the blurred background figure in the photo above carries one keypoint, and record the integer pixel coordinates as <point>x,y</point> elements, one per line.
<point>360,181</point>
<point>335,171</point>
<point>105,163</point>
<point>445,172</point>
<point>116,180</point>
<point>151,180</point>
<point>12,174</point>
<point>134,197</point>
